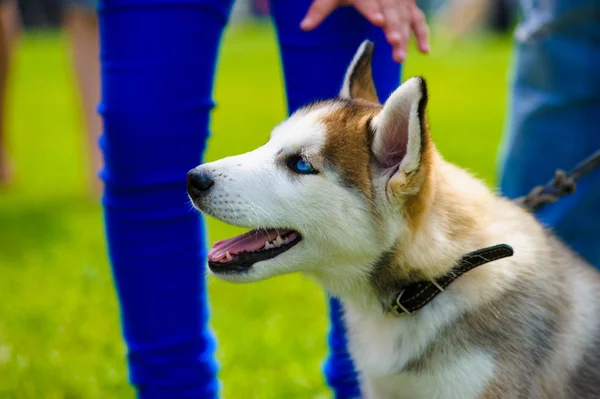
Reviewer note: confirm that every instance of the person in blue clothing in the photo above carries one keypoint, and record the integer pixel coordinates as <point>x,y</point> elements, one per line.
<point>158,62</point>
<point>554,116</point>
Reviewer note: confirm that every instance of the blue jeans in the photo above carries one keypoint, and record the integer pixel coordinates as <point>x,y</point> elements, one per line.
<point>158,61</point>
<point>554,120</point>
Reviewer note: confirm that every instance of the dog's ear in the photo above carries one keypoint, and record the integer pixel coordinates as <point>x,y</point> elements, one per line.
<point>358,83</point>
<point>400,134</point>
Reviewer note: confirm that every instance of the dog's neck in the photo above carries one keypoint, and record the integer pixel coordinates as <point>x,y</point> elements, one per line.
<point>447,231</point>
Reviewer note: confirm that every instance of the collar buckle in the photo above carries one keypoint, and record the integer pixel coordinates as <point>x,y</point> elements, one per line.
<point>398,307</point>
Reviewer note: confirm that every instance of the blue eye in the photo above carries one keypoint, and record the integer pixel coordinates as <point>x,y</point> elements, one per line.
<point>300,165</point>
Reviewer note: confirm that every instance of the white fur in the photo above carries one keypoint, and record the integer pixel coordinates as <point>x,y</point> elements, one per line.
<point>389,124</point>
<point>584,320</point>
<point>256,190</point>
<point>464,377</point>
<point>383,344</point>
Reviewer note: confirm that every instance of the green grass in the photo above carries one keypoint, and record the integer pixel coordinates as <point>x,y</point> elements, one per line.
<point>59,321</point>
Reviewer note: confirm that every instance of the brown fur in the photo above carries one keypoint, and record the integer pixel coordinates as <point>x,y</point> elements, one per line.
<point>346,146</point>
<point>416,206</point>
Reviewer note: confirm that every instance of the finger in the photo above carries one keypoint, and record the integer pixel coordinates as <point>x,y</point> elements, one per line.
<point>371,10</point>
<point>400,51</point>
<point>318,11</point>
<point>419,27</point>
<point>397,26</point>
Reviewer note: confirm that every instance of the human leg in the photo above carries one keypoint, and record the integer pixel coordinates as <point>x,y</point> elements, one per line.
<point>555,114</point>
<point>9,27</point>
<point>82,28</point>
<point>158,62</point>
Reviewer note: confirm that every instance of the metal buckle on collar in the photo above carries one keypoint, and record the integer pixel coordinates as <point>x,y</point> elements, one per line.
<point>398,307</point>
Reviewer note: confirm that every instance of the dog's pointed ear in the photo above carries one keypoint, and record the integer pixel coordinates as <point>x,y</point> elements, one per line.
<point>358,83</point>
<point>400,133</point>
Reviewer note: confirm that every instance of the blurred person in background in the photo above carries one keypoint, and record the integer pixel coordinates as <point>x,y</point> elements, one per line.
<point>463,16</point>
<point>260,8</point>
<point>158,64</point>
<point>554,112</point>
<point>80,22</point>
<point>9,22</point>
<point>554,115</point>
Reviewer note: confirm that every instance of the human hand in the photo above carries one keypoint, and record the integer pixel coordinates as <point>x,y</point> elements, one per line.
<point>397,18</point>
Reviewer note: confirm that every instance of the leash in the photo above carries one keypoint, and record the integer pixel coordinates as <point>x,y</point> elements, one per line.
<point>562,184</point>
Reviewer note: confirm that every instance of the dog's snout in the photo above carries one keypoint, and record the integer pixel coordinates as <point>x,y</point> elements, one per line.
<point>199,182</point>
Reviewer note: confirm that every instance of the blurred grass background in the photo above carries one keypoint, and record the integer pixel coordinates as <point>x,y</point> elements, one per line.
<point>59,320</point>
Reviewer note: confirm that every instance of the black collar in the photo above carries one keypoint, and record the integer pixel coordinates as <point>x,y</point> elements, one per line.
<point>416,295</point>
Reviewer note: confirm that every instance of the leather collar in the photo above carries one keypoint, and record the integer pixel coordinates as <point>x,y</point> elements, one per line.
<point>414,296</point>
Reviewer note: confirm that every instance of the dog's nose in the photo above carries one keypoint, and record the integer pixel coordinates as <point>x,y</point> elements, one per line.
<point>199,182</point>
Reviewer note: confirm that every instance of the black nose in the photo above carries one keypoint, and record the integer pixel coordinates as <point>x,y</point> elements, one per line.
<point>198,182</point>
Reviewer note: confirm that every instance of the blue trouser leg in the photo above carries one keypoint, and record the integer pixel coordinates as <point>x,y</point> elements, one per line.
<point>314,66</point>
<point>158,62</point>
<point>314,63</point>
<point>555,114</point>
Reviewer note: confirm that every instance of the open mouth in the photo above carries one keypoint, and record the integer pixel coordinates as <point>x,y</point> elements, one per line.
<point>241,252</point>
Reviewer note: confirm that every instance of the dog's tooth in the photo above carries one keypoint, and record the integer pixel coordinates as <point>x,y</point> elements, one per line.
<point>228,256</point>
<point>278,241</point>
<point>268,245</point>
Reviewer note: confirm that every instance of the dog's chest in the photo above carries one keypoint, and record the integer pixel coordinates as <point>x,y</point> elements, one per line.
<point>382,344</point>
<point>377,345</point>
<point>384,348</point>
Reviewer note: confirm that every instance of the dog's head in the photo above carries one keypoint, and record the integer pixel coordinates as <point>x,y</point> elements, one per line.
<point>335,187</point>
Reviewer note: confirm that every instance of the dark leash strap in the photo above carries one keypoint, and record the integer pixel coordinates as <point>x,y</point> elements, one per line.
<point>562,184</point>
<point>414,296</point>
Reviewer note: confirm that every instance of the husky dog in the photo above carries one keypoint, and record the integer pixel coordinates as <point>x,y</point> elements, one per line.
<point>448,290</point>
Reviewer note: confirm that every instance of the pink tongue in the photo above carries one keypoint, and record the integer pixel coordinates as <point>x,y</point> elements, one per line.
<point>249,242</point>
